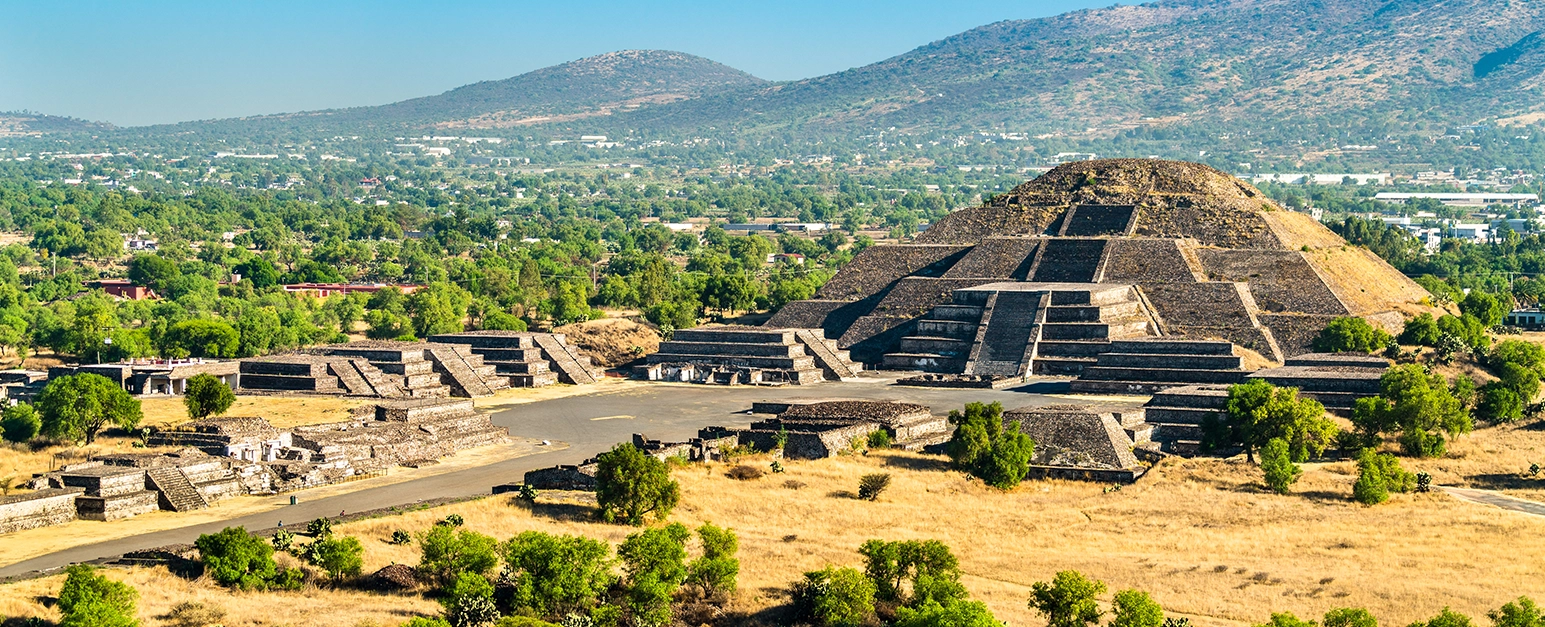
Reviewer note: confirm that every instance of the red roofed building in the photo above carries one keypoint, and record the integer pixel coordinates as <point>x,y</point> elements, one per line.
<point>324,290</point>
<point>122,288</point>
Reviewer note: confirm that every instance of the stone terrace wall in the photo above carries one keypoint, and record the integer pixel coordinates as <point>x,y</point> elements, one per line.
<point>1210,310</point>
<point>1146,261</point>
<point>996,257</point>
<point>1279,280</point>
<point>1074,437</point>
<point>1295,333</point>
<point>877,267</point>
<point>34,510</point>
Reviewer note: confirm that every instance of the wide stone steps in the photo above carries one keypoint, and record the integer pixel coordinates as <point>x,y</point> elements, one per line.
<point>569,365</point>
<point>350,380</point>
<point>1008,336</point>
<point>461,375</point>
<point>1182,362</point>
<point>835,363</point>
<point>1092,330</point>
<point>176,492</point>
<point>1169,375</point>
<point>721,348</point>
<point>926,362</point>
<point>384,384</point>
<point>958,329</point>
<point>947,346</point>
<point>1094,313</point>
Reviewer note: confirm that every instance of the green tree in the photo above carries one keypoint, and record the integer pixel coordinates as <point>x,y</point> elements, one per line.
<point>1490,309</point>
<point>1277,464</point>
<point>152,271</point>
<point>1499,403</point>
<point>1445,618</point>
<point>1286,619</point>
<point>655,560</point>
<point>77,407</point>
<point>1258,412</point>
<point>983,446</point>
<point>234,557</point>
<point>890,564</point>
<point>956,614</point>
<point>432,315</point>
<point>632,486</point>
<point>835,597</point>
<point>258,270</point>
<point>201,338</point>
<point>1421,331</point>
<point>20,423</point>
<point>445,553</point>
<point>1417,404</point>
<point>469,601</point>
<point>555,575</point>
<point>258,330</point>
<point>1520,613</point>
<point>88,599</point>
<point>715,571</point>
<point>1349,617</point>
<point>1351,334</point>
<point>207,396</point>
<point>339,556</point>
<point>1134,608</point>
<point>1068,600</point>
<point>1377,475</point>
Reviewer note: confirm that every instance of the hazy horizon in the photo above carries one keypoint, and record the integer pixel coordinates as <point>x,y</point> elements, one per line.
<point>164,62</point>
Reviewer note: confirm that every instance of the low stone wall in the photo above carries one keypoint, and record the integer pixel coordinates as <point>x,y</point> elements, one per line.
<point>116,507</point>
<point>34,510</point>
<point>565,477</point>
<point>1102,475</point>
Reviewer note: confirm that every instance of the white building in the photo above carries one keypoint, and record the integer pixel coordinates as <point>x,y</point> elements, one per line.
<point>1461,200</point>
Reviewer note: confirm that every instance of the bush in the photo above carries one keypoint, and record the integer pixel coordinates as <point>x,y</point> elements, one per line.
<point>928,565</point>
<point>1287,619</point>
<point>1421,331</point>
<point>339,557</point>
<point>655,560</point>
<point>1351,334</point>
<point>194,614</point>
<point>1068,600</point>
<point>1417,404</point>
<point>879,439</point>
<point>1489,309</point>
<point>446,553</point>
<point>1349,617</point>
<point>745,473</point>
<point>400,537</point>
<point>88,599</point>
<point>1134,608</point>
<point>244,560</point>
<point>426,621</point>
<point>835,597</point>
<point>716,571</point>
<point>984,447</point>
<point>469,601</point>
<point>20,423</point>
<point>1499,403</point>
<point>870,486</point>
<point>557,574</point>
<point>956,614</point>
<point>1520,613</point>
<point>1445,618</point>
<point>282,540</point>
<point>1467,329</point>
<point>207,396</point>
<point>319,528</point>
<point>1258,412</point>
<point>1281,472</point>
<point>1378,475</point>
<point>632,486</point>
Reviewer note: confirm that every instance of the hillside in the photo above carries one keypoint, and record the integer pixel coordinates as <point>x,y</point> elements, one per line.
<point>1261,62</point>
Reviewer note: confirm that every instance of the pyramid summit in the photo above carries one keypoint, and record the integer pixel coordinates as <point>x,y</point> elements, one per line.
<point>1041,280</point>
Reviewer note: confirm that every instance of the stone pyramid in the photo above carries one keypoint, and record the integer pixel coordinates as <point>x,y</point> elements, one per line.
<point>1209,257</point>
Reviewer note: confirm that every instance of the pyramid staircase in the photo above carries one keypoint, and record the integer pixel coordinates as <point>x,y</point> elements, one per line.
<point>571,366</point>
<point>1153,365</point>
<point>1177,414</point>
<point>176,492</point>
<point>1015,330</point>
<point>465,371</point>
<point>836,364</point>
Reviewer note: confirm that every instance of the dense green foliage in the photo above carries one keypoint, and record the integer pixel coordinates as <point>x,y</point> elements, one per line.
<point>1351,334</point>
<point>88,599</point>
<point>714,573</point>
<point>1068,600</point>
<point>236,558</point>
<point>983,446</point>
<point>835,597</point>
<point>1378,474</point>
<point>555,575</point>
<point>20,423</point>
<point>632,486</point>
<point>1416,404</point>
<point>446,553</point>
<point>207,396</point>
<point>1277,464</point>
<point>77,407</point>
<point>1259,412</point>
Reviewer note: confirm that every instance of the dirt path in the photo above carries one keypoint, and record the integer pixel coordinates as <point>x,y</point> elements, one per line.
<point>1496,499</point>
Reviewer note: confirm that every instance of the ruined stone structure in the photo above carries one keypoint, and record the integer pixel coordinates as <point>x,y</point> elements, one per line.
<point>1083,441</point>
<point>1204,255</point>
<point>111,492</point>
<point>527,359</point>
<point>380,369</point>
<point>1177,414</point>
<point>40,508</point>
<point>748,355</point>
<point>1150,365</point>
<point>1336,380</point>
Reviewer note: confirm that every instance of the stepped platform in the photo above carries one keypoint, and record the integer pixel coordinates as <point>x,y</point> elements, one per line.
<point>1148,366</point>
<point>1178,413</point>
<point>1336,380</point>
<point>1083,441</point>
<point>1011,330</point>
<point>748,355</point>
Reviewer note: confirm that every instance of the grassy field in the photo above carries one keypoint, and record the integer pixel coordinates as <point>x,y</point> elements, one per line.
<point>1200,535</point>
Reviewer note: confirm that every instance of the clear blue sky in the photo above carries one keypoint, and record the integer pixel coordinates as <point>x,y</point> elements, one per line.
<point>133,63</point>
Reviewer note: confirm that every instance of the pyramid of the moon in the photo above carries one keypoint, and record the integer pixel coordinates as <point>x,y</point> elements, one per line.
<point>1100,251</point>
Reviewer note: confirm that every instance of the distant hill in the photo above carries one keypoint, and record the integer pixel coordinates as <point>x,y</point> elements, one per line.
<point>1352,69</point>
<point>14,124</point>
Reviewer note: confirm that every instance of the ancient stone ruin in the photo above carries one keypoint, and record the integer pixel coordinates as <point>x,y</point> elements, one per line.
<point>382,369</point>
<point>527,359</point>
<point>1173,250</point>
<point>736,355</point>
<point>1083,441</point>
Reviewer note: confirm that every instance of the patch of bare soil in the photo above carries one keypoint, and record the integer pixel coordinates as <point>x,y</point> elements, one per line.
<point>611,342</point>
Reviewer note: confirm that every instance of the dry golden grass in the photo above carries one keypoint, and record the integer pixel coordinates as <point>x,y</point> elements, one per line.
<point>1200,535</point>
<point>1297,230</point>
<point>281,411</point>
<point>1367,284</point>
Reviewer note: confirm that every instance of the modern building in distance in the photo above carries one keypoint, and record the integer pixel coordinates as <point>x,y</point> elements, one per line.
<point>1457,199</point>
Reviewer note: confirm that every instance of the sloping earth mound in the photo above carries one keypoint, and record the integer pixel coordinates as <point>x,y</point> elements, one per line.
<point>611,342</point>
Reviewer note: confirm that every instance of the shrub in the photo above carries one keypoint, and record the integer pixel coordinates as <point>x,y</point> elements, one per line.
<point>339,557</point>
<point>234,557</point>
<point>870,486</point>
<point>20,423</point>
<point>1134,608</point>
<point>1520,613</point>
<point>401,537</point>
<point>282,540</point>
<point>1421,331</point>
<point>956,614</point>
<point>426,621</point>
<point>524,621</point>
<point>835,597</point>
<point>1349,617</point>
<point>984,447</point>
<point>1469,330</point>
<point>446,553</point>
<point>1281,472</point>
<point>88,599</point>
<point>1351,334</point>
<point>1489,309</point>
<point>1445,618</point>
<point>745,473</point>
<point>1499,403</point>
<point>319,528</point>
<point>1287,619</point>
<point>1417,404</point>
<point>631,486</point>
<point>1378,475</point>
<point>655,560</point>
<point>557,574</point>
<point>1068,600</point>
<point>207,396</point>
<point>879,439</point>
<point>716,571</point>
<point>1258,412</point>
<point>890,564</point>
<point>453,520</point>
